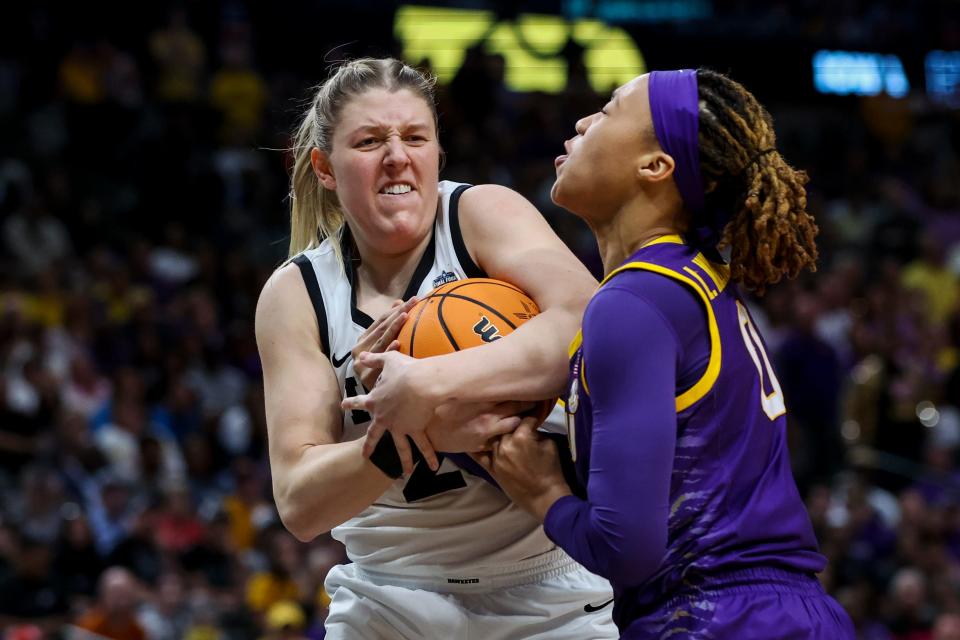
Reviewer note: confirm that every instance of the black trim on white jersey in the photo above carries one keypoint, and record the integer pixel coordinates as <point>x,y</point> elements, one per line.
<point>423,268</point>
<point>453,212</point>
<point>313,288</point>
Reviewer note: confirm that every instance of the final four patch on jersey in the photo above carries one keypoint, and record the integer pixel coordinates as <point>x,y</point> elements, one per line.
<point>444,278</point>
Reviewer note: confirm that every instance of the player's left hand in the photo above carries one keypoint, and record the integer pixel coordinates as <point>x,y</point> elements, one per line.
<point>527,467</point>
<point>397,404</point>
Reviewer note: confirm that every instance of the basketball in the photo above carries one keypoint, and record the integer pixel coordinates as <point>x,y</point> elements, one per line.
<point>464,314</point>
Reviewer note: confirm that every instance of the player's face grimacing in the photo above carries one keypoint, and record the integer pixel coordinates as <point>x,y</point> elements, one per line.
<point>598,172</point>
<point>384,165</point>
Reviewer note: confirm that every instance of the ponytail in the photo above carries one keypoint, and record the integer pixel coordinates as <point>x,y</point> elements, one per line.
<point>770,233</point>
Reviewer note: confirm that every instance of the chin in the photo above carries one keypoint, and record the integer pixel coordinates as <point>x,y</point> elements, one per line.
<point>561,197</point>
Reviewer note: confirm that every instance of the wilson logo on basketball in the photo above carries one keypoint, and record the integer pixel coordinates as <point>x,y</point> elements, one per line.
<point>487,331</point>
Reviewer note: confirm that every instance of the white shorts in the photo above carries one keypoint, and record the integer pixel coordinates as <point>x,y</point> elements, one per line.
<point>553,599</point>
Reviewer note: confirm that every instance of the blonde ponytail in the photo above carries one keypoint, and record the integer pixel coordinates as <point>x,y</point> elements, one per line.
<point>314,210</point>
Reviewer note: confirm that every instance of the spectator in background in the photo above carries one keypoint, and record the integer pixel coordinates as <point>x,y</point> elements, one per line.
<point>122,442</point>
<point>36,506</point>
<point>178,527</point>
<point>114,614</point>
<point>112,509</point>
<point>947,627</point>
<point>238,92</point>
<point>284,577</point>
<point>165,614</point>
<point>247,508</point>
<point>180,57</point>
<point>30,593</point>
<point>810,377</point>
<point>84,390</point>
<point>213,560</point>
<point>908,612</point>
<point>930,275</point>
<point>76,559</point>
<point>35,239</point>
<point>285,620</point>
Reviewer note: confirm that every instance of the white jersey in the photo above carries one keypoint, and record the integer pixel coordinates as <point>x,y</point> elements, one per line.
<point>451,521</point>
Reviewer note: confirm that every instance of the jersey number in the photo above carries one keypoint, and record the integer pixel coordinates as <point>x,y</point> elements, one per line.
<point>424,482</point>
<point>772,402</point>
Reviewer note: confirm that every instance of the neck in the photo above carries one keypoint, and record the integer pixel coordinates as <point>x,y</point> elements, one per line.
<point>630,228</point>
<point>388,275</point>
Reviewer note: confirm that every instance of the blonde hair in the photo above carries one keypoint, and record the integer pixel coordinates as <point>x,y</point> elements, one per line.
<point>315,212</point>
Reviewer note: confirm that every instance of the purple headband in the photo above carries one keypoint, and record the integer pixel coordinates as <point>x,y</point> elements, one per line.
<point>676,123</point>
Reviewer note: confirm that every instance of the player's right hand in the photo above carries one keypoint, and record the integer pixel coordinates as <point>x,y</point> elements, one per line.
<point>379,337</point>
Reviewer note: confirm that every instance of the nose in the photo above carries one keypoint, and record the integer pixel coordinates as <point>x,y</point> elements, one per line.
<point>395,154</point>
<point>583,124</point>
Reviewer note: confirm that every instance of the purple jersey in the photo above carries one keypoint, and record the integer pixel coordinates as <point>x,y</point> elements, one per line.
<point>733,502</point>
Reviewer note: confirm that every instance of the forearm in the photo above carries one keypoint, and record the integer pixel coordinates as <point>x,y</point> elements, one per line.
<point>529,364</point>
<point>327,485</point>
<point>629,357</point>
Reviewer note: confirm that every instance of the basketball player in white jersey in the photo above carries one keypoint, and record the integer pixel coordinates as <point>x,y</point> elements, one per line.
<point>436,553</point>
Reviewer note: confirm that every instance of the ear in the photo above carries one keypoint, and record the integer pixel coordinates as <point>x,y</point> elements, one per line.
<point>655,166</point>
<point>322,168</point>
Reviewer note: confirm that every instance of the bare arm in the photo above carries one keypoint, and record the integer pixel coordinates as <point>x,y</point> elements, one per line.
<point>318,481</point>
<point>511,241</point>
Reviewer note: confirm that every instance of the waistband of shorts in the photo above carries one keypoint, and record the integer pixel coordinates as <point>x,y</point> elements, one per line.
<point>480,578</point>
<point>754,579</point>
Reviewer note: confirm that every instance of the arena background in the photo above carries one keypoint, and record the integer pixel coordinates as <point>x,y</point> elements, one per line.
<point>143,196</point>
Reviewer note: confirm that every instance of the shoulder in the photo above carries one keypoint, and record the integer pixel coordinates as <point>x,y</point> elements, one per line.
<point>650,287</point>
<point>284,303</point>
<point>280,285</point>
<point>615,300</point>
<point>640,301</point>
<point>500,216</point>
<point>485,200</point>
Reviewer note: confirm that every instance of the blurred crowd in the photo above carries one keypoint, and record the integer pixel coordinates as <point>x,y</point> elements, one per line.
<point>143,203</point>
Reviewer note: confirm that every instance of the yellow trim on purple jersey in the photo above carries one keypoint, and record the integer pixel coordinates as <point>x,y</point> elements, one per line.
<point>583,375</point>
<point>719,273</point>
<point>711,292</point>
<point>575,343</point>
<point>706,381</point>
<point>671,238</point>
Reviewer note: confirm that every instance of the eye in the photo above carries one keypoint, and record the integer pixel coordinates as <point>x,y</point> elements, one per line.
<point>415,138</point>
<point>366,142</point>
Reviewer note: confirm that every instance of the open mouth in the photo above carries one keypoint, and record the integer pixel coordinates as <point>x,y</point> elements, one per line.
<point>396,188</point>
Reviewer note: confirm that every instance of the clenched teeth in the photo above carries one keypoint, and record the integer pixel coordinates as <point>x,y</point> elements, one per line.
<point>396,189</point>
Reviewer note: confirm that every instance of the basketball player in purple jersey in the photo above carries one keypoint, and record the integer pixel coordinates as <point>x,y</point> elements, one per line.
<point>676,419</point>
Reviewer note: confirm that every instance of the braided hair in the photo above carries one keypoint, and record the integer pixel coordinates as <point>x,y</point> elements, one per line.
<point>770,234</point>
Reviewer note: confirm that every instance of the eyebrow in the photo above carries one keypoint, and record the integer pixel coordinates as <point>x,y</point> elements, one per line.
<point>415,125</point>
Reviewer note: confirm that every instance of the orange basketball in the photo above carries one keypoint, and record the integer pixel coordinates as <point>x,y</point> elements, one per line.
<point>464,314</point>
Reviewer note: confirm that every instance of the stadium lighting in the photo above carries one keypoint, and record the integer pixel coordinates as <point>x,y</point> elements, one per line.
<point>943,76</point>
<point>531,45</point>
<point>859,73</point>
